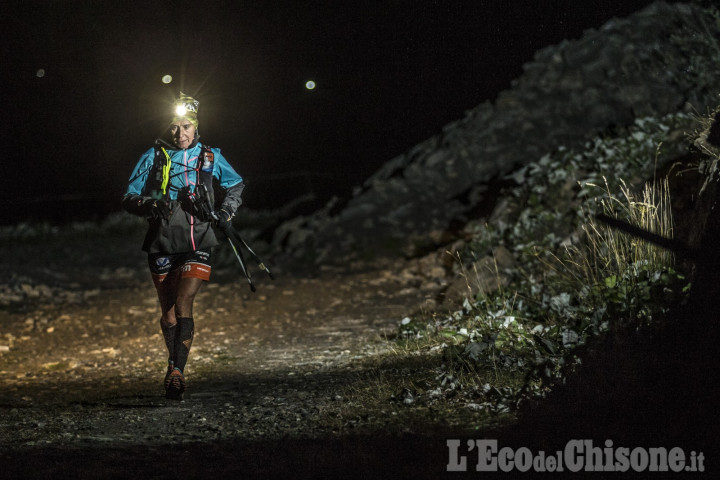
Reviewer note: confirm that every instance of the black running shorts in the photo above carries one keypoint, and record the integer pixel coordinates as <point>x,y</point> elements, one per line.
<point>191,264</point>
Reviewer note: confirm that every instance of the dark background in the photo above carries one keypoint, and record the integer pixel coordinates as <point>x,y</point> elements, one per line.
<point>389,75</point>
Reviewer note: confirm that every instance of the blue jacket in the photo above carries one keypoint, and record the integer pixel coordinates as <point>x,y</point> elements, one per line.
<point>181,231</point>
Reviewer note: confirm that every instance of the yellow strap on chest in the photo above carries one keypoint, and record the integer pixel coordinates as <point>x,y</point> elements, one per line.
<point>165,172</point>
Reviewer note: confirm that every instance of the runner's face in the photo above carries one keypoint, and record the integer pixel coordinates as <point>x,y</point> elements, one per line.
<point>183,133</point>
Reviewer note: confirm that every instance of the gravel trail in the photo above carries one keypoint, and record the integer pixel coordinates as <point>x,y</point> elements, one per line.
<point>82,362</point>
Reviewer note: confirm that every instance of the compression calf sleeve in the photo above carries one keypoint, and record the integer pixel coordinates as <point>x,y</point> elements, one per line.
<point>169,333</point>
<point>183,340</point>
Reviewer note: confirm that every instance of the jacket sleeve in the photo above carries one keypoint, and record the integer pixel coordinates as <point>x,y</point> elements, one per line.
<point>233,198</point>
<point>133,200</point>
<point>135,204</point>
<point>230,181</point>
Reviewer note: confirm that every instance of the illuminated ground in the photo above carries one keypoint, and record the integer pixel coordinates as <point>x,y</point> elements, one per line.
<point>271,377</point>
<point>82,368</point>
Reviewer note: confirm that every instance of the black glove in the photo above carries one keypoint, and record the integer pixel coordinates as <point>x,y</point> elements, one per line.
<point>146,207</point>
<point>196,204</point>
<point>155,209</point>
<point>223,220</point>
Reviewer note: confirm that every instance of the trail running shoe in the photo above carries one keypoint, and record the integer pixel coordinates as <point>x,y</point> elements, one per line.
<point>175,385</point>
<point>170,369</point>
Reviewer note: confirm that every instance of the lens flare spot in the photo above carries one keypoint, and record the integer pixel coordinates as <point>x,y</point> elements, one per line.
<point>310,85</point>
<point>40,73</point>
<point>167,79</point>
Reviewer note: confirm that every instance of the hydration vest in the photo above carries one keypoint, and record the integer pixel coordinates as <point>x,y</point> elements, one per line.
<point>157,185</point>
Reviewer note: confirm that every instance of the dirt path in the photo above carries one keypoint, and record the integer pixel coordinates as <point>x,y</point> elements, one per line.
<point>107,350</point>
<point>81,367</point>
<point>276,378</point>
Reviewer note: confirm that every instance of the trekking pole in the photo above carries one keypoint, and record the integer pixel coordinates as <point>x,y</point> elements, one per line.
<point>241,260</point>
<point>203,203</point>
<point>259,262</point>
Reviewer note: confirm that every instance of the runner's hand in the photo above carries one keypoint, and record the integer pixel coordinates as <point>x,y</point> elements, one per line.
<point>224,220</point>
<point>157,209</point>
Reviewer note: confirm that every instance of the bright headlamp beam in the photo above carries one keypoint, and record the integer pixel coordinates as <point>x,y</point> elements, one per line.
<point>180,110</point>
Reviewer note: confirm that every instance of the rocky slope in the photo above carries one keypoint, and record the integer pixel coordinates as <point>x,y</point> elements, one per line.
<point>648,64</point>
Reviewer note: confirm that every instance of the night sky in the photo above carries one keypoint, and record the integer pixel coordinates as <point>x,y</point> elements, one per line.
<point>82,95</point>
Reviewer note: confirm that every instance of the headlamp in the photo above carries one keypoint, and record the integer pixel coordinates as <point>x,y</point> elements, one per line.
<point>186,104</point>
<point>186,108</point>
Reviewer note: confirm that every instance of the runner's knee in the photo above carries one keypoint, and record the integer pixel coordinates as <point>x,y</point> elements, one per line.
<point>168,319</point>
<point>184,305</point>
